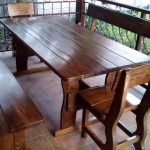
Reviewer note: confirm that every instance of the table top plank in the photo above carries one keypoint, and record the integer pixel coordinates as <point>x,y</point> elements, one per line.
<point>65,34</point>
<point>113,46</point>
<point>88,61</point>
<point>69,48</point>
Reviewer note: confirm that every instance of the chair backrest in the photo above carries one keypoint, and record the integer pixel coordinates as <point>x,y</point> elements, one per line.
<point>20,9</point>
<point>139,75</point>
<point>125,21</point>
<point>124,80</point>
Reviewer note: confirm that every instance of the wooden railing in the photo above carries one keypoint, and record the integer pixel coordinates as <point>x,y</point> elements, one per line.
<point>125,37</point>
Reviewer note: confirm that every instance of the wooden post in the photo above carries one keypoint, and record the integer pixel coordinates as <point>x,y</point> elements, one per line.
<point>79,8</point>
<point>139,37</point>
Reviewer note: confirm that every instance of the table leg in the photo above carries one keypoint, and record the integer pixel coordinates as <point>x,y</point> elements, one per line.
<point>69,107</point>
<point>21,55</point>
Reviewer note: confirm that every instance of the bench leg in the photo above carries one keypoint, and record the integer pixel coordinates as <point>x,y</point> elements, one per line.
<point>19,140</point>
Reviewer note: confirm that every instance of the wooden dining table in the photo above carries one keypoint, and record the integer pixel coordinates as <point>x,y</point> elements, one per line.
<point>72,52</point>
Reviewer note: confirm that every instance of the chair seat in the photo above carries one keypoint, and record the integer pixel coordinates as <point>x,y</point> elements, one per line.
<point>100,98</point>
<point>97,95</point>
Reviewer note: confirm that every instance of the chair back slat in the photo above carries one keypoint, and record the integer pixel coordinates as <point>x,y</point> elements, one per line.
<point>119,101</point>
<point>139,75</point>
<point>125,21</point>
<point>20,9</point>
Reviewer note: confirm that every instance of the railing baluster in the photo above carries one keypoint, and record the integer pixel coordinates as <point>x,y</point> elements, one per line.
<point>102,30</point>
<point>139,37</point>
<point>114,32</point>
<point>43,9</point>
<point>129,44</point>
<point>121,36</point>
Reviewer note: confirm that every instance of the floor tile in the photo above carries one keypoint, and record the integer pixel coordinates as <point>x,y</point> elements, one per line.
<point>39,143</point>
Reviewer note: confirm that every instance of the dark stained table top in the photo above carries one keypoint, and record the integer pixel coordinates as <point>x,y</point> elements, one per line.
<point>71,51</point>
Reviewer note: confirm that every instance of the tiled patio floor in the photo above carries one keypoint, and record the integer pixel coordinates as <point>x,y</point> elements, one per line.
<point>45,90</point>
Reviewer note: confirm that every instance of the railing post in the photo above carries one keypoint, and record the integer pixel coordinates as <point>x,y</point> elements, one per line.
<point>139,37</point>
<point>78,11</point>
<point>80,6</point>
<point>82,11</point>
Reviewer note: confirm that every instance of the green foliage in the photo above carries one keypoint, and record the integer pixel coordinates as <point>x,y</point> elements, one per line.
<point>1,35</point>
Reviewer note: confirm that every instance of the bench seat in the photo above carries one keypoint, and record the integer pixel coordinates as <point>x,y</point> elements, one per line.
<point>17,108</point>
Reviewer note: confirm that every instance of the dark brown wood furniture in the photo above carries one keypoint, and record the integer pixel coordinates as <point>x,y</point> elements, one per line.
<point>17,112</point>
<point>108,104</point>
<point>72,52</point>
<point>122,20</point>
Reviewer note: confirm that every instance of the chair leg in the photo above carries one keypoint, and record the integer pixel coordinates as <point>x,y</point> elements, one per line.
<point>111,140</point>
<point>84,121</point>
<point>141,120</point>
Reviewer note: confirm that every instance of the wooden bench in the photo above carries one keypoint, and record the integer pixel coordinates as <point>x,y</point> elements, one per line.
<point>121,20</point>
<point>17,112</point>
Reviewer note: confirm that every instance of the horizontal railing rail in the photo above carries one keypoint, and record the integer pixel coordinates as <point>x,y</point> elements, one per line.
<point>145,11</point>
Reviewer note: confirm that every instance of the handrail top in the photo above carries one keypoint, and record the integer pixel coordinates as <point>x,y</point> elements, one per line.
<point>142,10</point>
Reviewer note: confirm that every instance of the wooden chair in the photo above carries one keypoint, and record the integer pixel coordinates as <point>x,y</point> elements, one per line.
<point>108,105</point>
<point>19,10</point>
<point>130,23</point>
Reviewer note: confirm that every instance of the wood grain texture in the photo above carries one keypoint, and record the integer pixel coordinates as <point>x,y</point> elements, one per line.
<point>111,45</point>
<point>20,9</point>
<point>67,44</point>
